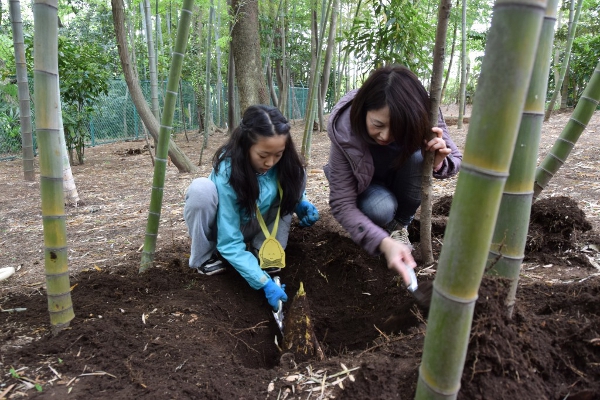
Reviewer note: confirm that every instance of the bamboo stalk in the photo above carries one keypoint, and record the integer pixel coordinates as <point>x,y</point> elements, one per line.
<point>48,132</point>
<point>23,90</point>
<point>506,71</point>
<point>587,104</point>
<point>164,137</point>
<point>510,235</point>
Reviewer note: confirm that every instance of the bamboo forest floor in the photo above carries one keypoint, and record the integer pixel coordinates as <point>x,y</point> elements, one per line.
<point>171,333</point>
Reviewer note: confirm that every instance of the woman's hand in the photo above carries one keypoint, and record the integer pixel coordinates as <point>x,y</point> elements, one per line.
<point>437,145</point>
<point>399,257</point>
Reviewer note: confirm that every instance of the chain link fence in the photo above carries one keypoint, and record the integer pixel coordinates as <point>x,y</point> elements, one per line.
<point>116,118</point>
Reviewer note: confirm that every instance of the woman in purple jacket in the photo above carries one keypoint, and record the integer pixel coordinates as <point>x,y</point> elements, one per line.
<point>375,163</point>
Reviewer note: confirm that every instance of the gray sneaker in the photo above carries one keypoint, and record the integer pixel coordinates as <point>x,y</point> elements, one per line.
<point>401,235</point>
<point>212,266</point>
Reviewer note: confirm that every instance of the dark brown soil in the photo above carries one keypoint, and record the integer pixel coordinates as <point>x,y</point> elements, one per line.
<point>172,333</point>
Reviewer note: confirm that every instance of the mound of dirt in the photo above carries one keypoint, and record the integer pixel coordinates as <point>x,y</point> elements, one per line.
<point>558,231</point>
<point>556,223</point>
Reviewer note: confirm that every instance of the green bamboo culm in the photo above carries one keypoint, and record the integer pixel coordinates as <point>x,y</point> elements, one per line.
<point>162,148</point>
<point>587,104</point>
<point>46,93</point>
<point>313,90</point>
<point>506,72</point>
<point>23,90</point>
<point>510,235</point>
<point>558,84</point>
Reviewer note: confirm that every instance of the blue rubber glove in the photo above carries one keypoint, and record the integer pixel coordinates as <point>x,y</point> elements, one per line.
<point>307,213</point>
<point>274,293</point>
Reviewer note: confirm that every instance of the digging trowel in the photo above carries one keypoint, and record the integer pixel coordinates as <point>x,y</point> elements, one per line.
<point>422,296</point>
<point>423,299</point>
<point>278,315</point>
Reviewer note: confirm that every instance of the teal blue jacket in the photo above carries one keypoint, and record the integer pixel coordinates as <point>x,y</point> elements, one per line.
<point>230,217</point>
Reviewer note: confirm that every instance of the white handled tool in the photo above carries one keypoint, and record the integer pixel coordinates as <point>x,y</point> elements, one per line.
<point>6,272</point>
<point>278,315</point>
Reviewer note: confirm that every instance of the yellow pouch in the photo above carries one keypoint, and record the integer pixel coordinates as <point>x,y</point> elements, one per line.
<point>271,253</point>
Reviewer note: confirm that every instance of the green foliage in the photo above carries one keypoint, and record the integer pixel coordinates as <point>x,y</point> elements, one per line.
<point>10,93</point>
<point>298,43</point>
<point>84,70</point>
<point>90,22</point>
<point>194,64</point>
<point>398,32</point>
<point>584,55</point>
<point>584,52</point>
<point>223,42</point>
<point>477,40</point>
<point>7,54</point>
<point>586,48</point>
<point>7,51</point>
<point>75,131</point>
<point>10,129</point>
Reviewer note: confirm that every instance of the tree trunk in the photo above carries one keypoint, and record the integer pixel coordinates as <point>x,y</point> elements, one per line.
<point>282,83</point>
<point>151,61</point>
<point>245,45</point>
<point>131,33</point>
<point>271,87</point>
<point>463,68</point>
<point>208,114</point>
<point>219,113</point>
<point>281,70</point>
<point>435,91</point>
<point>344,65</point>
<point>179,159</point>
<point>451,59</point>
<point>267,69</point>
<point>233,113</point>
<point>71,196</point>
<point>328,57</point>
<point>564,90</point>
<point>198,43</point>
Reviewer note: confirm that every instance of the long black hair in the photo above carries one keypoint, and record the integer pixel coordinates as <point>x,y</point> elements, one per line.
<point>400,90</point>
<point>261,121</point>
